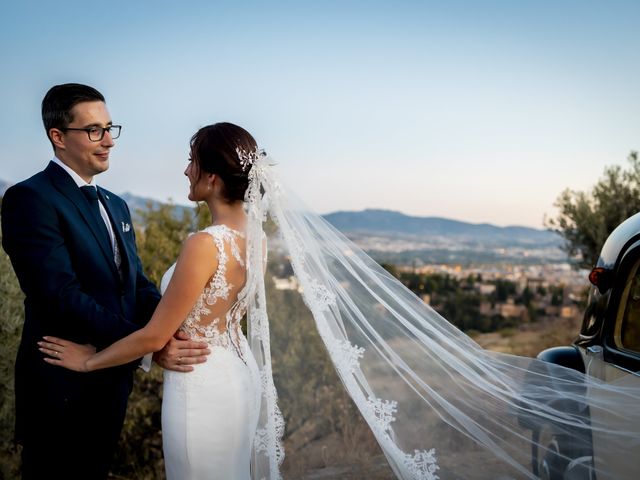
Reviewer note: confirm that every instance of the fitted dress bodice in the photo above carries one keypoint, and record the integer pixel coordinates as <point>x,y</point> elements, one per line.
<point>215,317</point>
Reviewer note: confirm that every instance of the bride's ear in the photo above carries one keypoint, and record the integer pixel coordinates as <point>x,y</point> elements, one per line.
<point>213,181</point>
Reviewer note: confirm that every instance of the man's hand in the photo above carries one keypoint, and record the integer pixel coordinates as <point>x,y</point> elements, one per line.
<point>180,353</point>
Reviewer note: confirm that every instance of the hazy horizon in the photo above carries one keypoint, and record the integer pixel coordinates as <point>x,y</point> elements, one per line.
<point>483,112</point>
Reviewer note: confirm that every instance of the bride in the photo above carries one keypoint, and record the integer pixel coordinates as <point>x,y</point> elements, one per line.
<point>438,404</point>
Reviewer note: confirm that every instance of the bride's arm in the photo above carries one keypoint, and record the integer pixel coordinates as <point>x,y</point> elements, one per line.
<point>195,266</point>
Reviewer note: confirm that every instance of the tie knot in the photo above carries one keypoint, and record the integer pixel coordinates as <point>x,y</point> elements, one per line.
<point>90,192</point>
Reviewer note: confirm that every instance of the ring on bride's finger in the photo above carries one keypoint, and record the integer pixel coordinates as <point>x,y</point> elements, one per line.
<point>179,360</point>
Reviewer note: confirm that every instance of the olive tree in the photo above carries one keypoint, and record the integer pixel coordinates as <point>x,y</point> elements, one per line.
<point>586,218</point>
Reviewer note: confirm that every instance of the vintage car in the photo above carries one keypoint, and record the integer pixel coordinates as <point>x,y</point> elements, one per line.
<point>608,348</point>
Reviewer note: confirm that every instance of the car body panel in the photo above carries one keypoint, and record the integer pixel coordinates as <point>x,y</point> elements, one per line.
<point>608,347</point>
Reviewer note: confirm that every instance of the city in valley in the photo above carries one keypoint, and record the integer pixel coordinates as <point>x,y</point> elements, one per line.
<point>518,298</point>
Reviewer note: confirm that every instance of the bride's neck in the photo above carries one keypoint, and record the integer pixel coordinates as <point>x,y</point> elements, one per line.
<point>229,214</point>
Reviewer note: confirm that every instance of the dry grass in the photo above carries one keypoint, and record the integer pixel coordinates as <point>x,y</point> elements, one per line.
<point>348,453</point>
<point>353,453</point>
<point>529,339</point>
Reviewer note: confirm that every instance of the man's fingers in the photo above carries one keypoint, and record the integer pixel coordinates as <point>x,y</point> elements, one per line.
<point>192,360</point>
<point>191,345</point>
<point>183,344</point>
<point>180,335</point>
<point>193,352</point>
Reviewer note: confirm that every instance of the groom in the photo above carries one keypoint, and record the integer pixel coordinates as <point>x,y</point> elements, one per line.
<point>73,249</point>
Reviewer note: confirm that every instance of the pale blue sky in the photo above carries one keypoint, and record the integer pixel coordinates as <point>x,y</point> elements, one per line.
<point>482,111</point>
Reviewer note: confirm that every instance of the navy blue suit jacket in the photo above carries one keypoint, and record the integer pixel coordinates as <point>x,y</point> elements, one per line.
<point>65,267</point>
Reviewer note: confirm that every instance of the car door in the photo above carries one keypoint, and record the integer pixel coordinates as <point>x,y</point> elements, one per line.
<point>617,362</point>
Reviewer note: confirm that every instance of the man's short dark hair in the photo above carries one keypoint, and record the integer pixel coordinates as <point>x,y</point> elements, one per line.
<point>60,99</point>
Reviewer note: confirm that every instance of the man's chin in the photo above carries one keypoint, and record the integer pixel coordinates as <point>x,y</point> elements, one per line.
<point>100,167</point>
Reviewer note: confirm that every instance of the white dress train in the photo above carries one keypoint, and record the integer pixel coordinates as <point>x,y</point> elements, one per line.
<point>209,415</point>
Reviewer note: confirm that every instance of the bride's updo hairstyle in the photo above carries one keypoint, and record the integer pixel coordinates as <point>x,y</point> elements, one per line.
<point>214,150</point>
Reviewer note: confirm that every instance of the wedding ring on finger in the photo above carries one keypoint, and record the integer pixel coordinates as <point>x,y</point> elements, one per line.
<point>179,362</point>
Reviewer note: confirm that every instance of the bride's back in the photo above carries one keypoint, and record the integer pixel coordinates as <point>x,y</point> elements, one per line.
<point>215,317</point>
<point>222,291</point>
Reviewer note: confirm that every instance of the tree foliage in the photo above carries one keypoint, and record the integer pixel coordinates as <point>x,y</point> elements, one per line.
<point>159,236</point>
<point>11,309</point>
<point>585,219</point>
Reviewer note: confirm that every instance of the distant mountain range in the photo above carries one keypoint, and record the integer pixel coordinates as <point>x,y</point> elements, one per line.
<point>135,202</point>
<point>387,222</point>
<point>395,237</point>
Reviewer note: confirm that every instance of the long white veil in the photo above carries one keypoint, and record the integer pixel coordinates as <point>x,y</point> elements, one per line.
<point>438,404</point>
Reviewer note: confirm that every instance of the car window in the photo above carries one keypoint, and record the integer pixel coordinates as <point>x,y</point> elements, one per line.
<point>627,329</point>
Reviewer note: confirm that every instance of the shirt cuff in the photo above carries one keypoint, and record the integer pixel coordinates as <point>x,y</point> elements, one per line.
<point>145,363</point>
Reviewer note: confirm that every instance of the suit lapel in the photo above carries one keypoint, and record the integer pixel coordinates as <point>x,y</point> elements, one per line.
<point>65,185</point>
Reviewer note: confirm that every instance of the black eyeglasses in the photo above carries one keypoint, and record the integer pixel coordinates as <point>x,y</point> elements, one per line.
<point>96,133</point>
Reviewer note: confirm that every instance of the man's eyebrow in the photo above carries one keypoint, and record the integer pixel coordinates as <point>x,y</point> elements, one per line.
<point>98,124</point>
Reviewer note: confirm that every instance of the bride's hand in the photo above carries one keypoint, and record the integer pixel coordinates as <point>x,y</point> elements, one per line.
<point>64,353</point>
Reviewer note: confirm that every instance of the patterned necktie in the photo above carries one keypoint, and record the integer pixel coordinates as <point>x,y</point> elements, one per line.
<point>91,193</point>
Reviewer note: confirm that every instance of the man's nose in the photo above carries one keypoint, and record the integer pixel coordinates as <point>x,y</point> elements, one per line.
<point>107,139</point>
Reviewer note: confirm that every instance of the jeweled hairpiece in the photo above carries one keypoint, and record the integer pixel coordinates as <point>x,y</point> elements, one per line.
<point>249,158</point>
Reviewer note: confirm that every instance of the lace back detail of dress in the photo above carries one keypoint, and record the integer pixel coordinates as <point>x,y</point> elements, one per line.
<point>216,315</point>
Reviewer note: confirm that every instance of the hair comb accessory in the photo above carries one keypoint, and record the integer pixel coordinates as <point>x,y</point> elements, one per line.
<point>248,158</point>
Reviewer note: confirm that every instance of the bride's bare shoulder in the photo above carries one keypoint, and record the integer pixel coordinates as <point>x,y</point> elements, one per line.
<point>198,246</point>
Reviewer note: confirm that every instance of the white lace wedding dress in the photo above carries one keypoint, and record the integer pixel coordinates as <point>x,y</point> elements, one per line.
<point>209,416</point>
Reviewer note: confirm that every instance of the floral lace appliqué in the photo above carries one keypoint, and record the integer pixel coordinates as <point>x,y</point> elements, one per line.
<point>345,355</point>
<point>422,464</point>
<point>231,336</point>
<point>322,297</point>
<point>381,412</point>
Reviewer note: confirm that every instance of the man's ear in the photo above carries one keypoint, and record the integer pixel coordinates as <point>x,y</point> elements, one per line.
<point>57,138</point>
